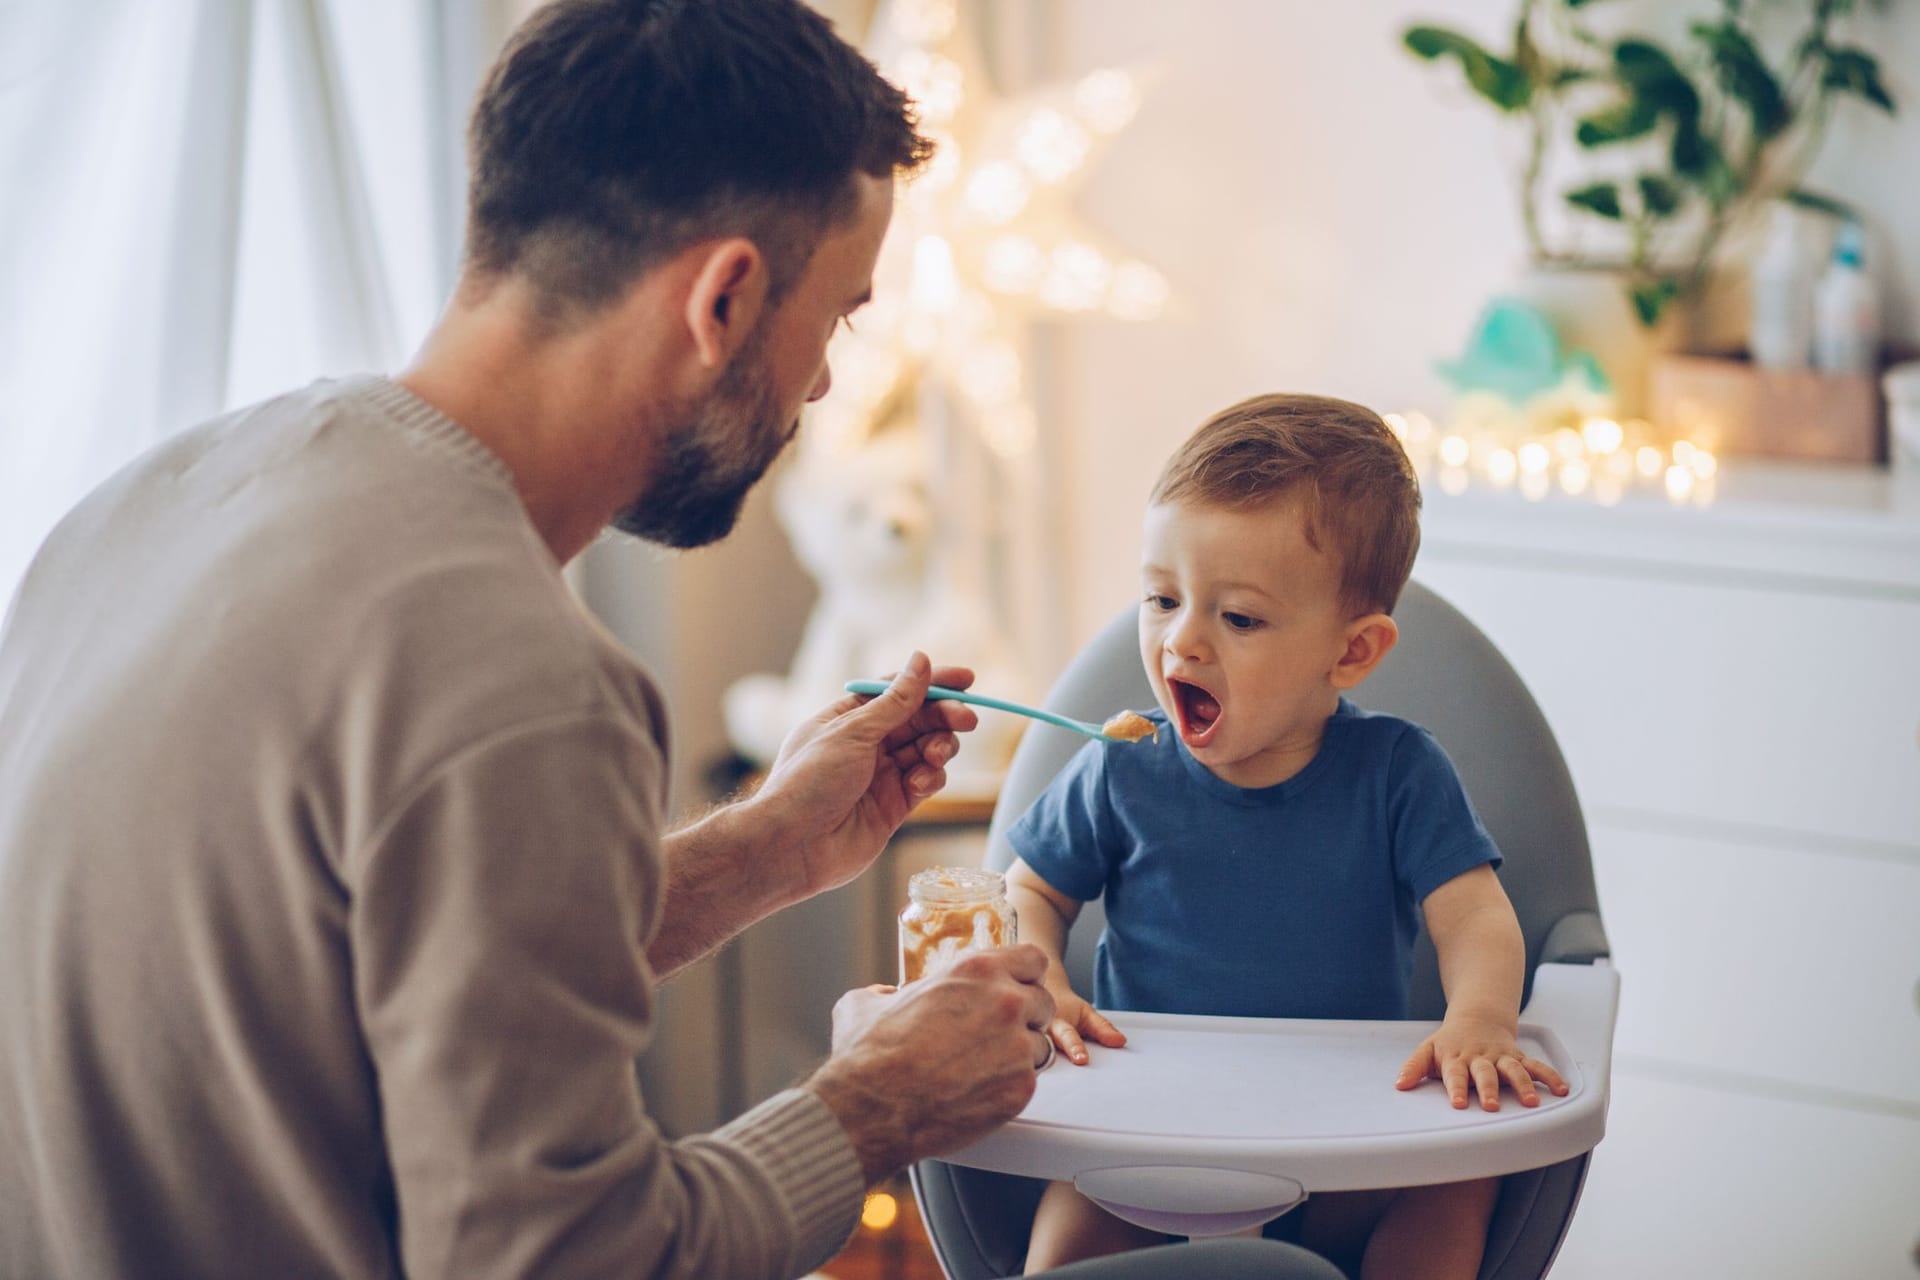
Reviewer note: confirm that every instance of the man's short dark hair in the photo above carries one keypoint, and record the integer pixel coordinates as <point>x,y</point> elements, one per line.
<point>613,133</point>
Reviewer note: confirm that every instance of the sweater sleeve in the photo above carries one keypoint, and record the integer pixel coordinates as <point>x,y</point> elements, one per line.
<point>498,929</point>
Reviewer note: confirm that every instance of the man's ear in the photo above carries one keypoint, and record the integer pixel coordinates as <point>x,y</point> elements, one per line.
<point>1369,638</point>
<point>729,291</point>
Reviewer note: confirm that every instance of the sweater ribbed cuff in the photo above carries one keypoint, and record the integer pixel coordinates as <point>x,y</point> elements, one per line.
<point>802,1147</point>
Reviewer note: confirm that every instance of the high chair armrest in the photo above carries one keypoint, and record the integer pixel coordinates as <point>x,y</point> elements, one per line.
<point>1579,1002</point>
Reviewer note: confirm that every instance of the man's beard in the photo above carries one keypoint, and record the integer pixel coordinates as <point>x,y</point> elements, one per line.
<point>706,470</point>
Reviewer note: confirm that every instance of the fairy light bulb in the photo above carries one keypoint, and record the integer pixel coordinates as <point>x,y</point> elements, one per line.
<point>1077,277</point>
<point>1574,475</point>
<point>944,168</point>
<point>935,83</point>
<point>1534,485</point>
<point>1138,292</point>
<point>879,1212</point>
<point>1051,145</point>
<point>1679,482</point>
<point>924,21</point>
<point>1014,264</point>
<point>1454,451</point>
<point>1703,464</point>
<point>1534,458</point>
<point>1397,424</point>
<point>1567,443</point>
<point>1502,466</point>
<point>1602,435</point>
<point>936,286</point>
<point>1107,99</point>
<point>998,192</point>
<point>1648,461</point>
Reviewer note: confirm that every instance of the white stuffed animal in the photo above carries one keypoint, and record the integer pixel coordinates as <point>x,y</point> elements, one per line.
<point>863,523</point>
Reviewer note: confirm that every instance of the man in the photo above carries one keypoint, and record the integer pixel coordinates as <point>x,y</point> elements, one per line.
<point>333,889</point>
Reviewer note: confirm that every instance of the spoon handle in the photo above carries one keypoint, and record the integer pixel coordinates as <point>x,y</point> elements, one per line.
<point>939,693</point>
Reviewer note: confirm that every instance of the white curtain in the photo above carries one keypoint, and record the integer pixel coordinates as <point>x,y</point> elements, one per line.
<point>204,202</point>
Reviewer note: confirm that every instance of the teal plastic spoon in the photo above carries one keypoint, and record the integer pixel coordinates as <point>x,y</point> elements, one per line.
<point>1115,730</point>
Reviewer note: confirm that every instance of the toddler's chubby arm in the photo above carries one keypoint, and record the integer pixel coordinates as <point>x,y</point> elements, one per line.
<point>1045,916</point>
<point>1482,968</point>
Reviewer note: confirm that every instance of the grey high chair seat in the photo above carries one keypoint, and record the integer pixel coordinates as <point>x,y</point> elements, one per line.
<point>1444,674</point>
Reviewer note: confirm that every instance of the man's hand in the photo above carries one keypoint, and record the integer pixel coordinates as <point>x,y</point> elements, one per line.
<point>930,1068</point>
<point>1075,1018</point>
<point>845,780</point>
<point>1476,1054</point>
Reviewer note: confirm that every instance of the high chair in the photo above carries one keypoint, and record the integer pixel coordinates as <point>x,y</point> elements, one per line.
<point>1203,1126</point>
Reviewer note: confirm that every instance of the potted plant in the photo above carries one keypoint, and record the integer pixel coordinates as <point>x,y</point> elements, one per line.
<point>1641,155</point>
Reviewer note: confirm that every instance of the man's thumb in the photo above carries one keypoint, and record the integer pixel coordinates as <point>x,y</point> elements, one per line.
<point>905,692</point>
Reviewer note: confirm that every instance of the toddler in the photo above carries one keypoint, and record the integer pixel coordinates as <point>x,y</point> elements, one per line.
<point>1266,854</point>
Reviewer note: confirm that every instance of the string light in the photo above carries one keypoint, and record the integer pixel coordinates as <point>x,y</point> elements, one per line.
<point>1051,145</point>
<point>1107,100</point>
<point>879,1212</point>
<point>1601,457</point>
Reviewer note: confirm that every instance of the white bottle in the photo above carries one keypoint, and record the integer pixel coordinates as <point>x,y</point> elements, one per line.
<point>1780,296</point>
<point>1846,310</point>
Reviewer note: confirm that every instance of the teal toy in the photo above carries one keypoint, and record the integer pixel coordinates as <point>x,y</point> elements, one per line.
<point>1515,354</point>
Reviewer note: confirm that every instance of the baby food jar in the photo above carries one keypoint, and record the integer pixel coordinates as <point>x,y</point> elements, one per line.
<point>951,911</point>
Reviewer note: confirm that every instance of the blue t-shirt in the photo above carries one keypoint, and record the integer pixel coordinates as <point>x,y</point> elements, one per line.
<point>1292,901</point>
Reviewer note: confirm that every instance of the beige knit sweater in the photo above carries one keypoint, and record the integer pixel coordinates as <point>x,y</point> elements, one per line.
<point>329,850</point>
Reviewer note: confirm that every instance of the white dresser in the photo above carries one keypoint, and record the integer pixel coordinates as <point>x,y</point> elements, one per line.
<point>1736,687</point>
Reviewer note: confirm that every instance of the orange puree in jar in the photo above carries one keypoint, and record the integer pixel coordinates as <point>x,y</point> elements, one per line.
<point>951,911</point>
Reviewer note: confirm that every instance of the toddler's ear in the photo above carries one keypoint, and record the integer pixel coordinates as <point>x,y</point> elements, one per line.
<point>1369,638</point>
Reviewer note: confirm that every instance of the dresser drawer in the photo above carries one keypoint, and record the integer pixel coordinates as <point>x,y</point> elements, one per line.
<point>1694,1181</point>
<point>1780,709</point>
<point>1799,967</point>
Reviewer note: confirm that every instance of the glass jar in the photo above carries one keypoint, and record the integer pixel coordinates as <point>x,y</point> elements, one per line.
<point>951,911</point>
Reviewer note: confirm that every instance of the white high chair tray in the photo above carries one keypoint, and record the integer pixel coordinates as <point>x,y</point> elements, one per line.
<point>1203,1115</point>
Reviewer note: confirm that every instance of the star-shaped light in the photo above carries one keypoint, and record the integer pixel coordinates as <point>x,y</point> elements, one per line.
<point>984,239</point>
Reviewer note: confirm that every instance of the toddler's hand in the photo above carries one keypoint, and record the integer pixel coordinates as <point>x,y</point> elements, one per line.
<point>1074,1018</point>
<point>1470,1054</point>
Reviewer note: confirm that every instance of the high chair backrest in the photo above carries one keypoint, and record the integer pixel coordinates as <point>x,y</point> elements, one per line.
<point>1445,675</point>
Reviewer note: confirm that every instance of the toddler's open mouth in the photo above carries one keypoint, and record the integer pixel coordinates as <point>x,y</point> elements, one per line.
<point>1199,711</point>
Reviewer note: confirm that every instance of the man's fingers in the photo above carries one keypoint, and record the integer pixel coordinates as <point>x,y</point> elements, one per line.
<point>953,677</point>
<point>1024,963</point>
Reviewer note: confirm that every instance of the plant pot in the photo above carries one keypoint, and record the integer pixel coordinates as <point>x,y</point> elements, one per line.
<point>1591,311</point>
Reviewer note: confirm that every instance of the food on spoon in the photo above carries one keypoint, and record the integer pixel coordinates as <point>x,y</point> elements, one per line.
<point>1130,726</point>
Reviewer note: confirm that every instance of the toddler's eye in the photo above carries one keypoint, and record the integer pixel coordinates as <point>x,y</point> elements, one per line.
<point>1241,622</point>
<point>1162,603</point>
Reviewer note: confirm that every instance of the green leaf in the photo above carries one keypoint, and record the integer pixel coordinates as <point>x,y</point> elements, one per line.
<point>1650,299</point>
<point>1619,123</point>
<point>1855,71</point>
<point>1602,198</point>
<point>1654,82</point>
<point>1820,202</point>
<point>1741,71</point>
<point>1496,79</point>
<point>1695,154</point>
<point>1658,196</point>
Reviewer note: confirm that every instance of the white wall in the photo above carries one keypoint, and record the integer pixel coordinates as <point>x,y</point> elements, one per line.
<point>1331,213</point>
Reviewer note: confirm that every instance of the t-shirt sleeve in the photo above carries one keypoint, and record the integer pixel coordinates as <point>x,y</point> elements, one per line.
<point>499,921</point>
<point>1436,834</point>
<point>1068,835</point>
